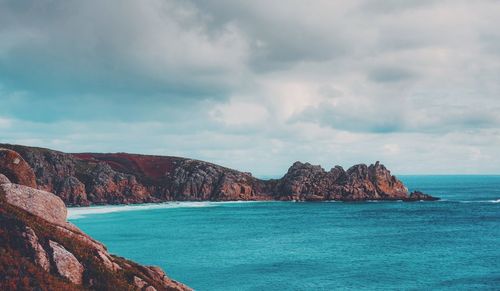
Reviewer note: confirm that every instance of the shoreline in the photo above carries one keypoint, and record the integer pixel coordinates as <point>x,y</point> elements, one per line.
<point>78,212</point>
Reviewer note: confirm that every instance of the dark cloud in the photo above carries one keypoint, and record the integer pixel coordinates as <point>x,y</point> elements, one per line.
<point>394,6</point>
<point>390,74</point>
<point>369,117</point>
<point>112,48</point>
<point>248,83</point>
<point>282,35</point>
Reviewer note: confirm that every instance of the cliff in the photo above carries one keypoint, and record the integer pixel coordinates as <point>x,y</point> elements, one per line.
<point>40,250</point>
<point>90,178</point>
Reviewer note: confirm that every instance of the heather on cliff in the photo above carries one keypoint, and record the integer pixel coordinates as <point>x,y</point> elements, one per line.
<point>91,178</point>
<point>39,250</point>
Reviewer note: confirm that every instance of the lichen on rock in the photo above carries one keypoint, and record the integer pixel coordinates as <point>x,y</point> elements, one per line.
<point>67,264</point>
<point>37,202</point>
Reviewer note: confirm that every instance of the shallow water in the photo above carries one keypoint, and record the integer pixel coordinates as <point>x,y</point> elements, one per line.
<point>452,244</point>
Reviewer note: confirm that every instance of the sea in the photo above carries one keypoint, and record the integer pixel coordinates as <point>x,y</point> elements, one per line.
<point>451,244</point>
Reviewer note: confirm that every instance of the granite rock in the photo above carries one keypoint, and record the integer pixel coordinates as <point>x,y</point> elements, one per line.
<point>16,168</point>
<point>116,178</point>
<point>67,264</point>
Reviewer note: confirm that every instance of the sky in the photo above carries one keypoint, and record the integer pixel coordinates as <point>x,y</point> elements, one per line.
<point>256,85</point>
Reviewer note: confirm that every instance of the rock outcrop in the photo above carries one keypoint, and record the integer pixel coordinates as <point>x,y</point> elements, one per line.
<point>15,168</point>
<point>4,179</point>
<point>37,202</point>
<point>306,182</point>
<point>419,196</point>
<point>89,178</point>
<point>40,255</point>
<point>67,265</point>
<point>40,250</point>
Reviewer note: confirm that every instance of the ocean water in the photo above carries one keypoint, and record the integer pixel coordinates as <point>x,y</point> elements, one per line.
<point>453,244</point>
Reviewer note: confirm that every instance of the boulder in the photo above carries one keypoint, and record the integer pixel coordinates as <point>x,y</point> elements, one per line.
<point>16,168</point>
<point>107,261</point>
<point>140,283</point>
<point>419,196</point>
<point>40,255</point>
<point>37,202</point>
<point>386,184</point>
<point>67,265</point>
<point>4,179</point>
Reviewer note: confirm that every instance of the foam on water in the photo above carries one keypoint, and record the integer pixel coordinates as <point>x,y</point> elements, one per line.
<point>82,212</point>
<point>481,201</point>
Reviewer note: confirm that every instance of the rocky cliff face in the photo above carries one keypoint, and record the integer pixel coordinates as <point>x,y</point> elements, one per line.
<point>360,182</point>
<point>40,250</point>
<point>16,169</point>
<point>88,178</point>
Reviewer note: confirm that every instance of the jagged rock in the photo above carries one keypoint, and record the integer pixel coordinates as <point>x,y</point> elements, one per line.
<point>40,203</point>
<point>139,282</point>
<point>75,233</point>
<point>90,178</point>
<point>108,262</point>
<point>419,196</point>
<point>157,274</point>
<point>16,168</point>
<point>67,265</point>
<point>150,288</point>
<point>55,172</point>
<point>60,250</point>
<point>40,255</point>
<point>304,181</point>
<point>4,179</point>
<point>386,184</point>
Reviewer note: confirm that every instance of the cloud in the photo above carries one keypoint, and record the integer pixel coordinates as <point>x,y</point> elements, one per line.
<point>390,74</point>
<point>5,122</point>
<point>240,113</point>
<point>256,85</point>
<point>116,48</point>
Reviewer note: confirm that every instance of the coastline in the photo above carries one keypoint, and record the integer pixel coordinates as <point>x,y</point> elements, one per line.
<point>78,212</point>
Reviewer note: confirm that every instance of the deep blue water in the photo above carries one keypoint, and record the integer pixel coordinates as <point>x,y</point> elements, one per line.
<point>452,244</point>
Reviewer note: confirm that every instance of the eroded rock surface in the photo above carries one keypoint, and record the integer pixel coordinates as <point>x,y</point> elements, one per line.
<point>306,182</point>
<point>90,178</point>
<point>67,264</point>
<point>40,255</point>
<point>40,203</point>
<point>41,251</point>
<point>4,179</point>
<point>16,168</point>
<point>419,196</point>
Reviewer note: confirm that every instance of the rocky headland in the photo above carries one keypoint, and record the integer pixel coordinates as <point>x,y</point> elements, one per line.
<point>40,250</point>
<point>116,178</point>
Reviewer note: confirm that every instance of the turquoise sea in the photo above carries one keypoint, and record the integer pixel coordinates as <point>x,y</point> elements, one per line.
<point>453,244</point>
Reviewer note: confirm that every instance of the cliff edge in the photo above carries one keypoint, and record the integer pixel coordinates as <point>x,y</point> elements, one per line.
<point>116,178</point>
<point>40,250</point>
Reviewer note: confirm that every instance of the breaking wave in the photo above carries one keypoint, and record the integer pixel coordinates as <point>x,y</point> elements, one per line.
<point>481,201</point>
<point>81,212</point>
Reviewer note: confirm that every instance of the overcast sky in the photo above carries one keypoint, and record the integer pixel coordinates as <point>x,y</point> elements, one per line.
<point>256,85</point>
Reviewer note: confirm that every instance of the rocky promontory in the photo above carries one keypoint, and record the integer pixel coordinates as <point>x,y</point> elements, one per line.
<point>114,178</point>
<point>40,250</point>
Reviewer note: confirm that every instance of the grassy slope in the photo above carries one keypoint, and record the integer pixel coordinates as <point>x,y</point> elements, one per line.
<point>19,272</point>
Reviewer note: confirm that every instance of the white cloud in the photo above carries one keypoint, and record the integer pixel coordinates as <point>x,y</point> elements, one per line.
<point>5,122</point>
<point>240,113</point>
<point>256,85</point>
